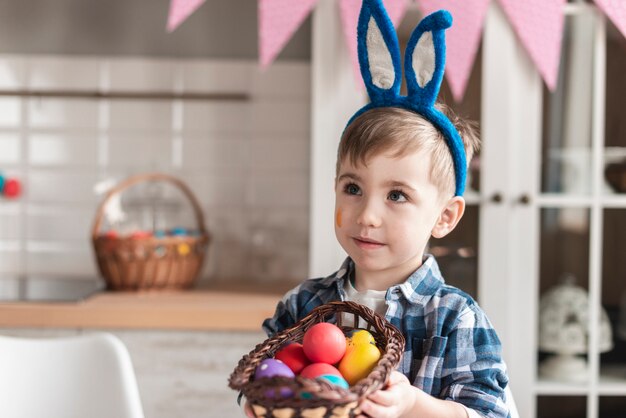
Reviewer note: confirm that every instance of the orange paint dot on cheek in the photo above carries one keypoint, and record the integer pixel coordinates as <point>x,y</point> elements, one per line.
<point>338,218</point>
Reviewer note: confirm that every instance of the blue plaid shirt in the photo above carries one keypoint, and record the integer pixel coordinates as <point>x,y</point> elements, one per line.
<point>452,351</point>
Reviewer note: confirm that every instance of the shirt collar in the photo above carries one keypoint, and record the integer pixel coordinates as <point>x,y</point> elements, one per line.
<point>418,287</point>
<point>423,283</point>
<point>338,278</point>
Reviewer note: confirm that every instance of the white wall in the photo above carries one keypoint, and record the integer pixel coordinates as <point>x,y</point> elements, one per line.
<point>218,29</point>
<point>246,161</point>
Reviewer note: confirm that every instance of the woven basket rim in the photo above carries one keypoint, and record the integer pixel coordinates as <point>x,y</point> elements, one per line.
<point>326,394</point>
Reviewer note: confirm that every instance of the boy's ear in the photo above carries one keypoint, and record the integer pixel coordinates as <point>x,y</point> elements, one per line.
<point>449,217</point>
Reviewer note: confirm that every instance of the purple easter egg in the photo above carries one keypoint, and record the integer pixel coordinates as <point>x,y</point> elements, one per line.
<point>281,392</point>
<point>271,367</point>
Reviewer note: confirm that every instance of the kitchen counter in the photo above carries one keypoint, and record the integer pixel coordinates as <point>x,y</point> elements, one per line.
<point>236,308</point>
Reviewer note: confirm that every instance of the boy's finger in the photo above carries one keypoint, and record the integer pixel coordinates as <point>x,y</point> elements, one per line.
<point>383,397</point>
<point>248,410</point>
<point>374,410</point>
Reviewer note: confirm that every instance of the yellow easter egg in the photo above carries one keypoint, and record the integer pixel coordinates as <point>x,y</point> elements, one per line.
<point>360,336</point>
<point>358,362</point>
<point>183,249</point>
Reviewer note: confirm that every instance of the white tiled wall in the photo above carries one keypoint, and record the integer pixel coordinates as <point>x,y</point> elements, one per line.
<point>246,161</point>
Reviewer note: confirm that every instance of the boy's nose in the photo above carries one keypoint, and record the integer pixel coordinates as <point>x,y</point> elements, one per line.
<point>368,215</point>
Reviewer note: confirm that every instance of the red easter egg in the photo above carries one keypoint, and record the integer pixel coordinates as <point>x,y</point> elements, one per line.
<point>293,356</point>
<point>140,235</point>
<point>111,234</point>
<point>319,369</point>
<point>324,343</point>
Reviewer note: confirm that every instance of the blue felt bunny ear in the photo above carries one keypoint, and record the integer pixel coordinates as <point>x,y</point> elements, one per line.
<point>379,51</point>
<point>425,58</point>
<point>379,59</point>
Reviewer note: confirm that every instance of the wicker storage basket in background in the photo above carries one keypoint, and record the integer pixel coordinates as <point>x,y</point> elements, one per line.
<point>149,262</point>
<point>327,400</point>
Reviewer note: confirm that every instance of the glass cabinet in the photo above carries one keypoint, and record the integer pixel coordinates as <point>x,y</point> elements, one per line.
<point>558,161</point>
<point>546,213</point>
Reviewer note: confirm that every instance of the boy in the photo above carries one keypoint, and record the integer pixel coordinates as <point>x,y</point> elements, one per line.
<point>395,189</point>
<point>401,169</point>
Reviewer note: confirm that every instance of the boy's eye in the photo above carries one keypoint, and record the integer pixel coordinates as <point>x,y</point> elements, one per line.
<point>352,189</point>
<point>397,196</point>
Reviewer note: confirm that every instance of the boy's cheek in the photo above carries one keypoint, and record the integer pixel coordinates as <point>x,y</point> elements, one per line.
<point>338,218</point>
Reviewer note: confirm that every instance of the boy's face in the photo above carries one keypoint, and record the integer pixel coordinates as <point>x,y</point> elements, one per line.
<point>385,212</point>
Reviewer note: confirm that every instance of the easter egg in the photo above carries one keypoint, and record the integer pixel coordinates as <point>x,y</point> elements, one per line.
<point>336,380</point>
<point>111,234</point>
<point>324,343</point>
<point>271,367</point>
<point>358,337</point>
<point>140,235</point>
<point>179,231</point>
<point>293,356</point>
<point>1,183</point>
<point>160,251</point>
<point>319,369</point>
<point>183,249</point>
<point>359,362</point>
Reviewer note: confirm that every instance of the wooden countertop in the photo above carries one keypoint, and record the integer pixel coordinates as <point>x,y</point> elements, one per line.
<point>233,309</point>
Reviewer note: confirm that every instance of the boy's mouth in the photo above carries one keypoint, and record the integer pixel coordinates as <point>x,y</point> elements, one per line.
<point>367,243</point>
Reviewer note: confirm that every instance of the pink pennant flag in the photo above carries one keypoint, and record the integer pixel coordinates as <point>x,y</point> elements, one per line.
<point>350,10</point>
<point>181,10</point>
<point>539,26</point>
<point>462,39</point>
<point>616,11</point>
<point>278,20</point>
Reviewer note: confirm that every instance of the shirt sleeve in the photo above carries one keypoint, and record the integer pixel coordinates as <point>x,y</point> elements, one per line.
<point>286,313</point>
<point>474,373</point>
<point>471,413</point>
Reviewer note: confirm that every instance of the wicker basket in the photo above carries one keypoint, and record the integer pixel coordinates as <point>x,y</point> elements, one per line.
<point>169,262</point>
<point>327,400</point>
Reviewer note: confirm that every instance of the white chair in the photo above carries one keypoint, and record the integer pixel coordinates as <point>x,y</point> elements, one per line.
<point>72,377</point>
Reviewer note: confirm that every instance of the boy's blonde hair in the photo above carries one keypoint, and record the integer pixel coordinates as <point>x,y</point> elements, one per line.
<point>400,132</point>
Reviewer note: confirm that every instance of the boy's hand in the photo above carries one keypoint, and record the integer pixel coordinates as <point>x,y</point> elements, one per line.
<point>400,399</point>
<point>395,401</point>
<point>247,409</point>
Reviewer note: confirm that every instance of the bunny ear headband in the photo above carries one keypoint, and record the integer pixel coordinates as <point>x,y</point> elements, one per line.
<point>424,62</point>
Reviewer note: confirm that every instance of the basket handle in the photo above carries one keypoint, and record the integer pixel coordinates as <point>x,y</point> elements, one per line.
<point>140,178</point>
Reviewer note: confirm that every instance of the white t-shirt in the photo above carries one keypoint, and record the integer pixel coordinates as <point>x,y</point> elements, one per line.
<point>373,299</point>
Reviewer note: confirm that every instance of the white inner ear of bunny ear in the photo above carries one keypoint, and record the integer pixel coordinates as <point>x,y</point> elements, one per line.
<point>379,57</point>
<point>424,59</point>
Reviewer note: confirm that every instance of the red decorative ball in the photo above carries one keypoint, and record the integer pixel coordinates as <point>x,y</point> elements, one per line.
<point>140,235</point>
<point>293,356</point>
<point>319,369</point>
<point>12,188</point>
<point>324,343</point>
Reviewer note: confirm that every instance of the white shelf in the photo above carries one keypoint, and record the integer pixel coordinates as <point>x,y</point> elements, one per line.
<point>556,200</point>
<point>558,388</point>
<point>612,382</point>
